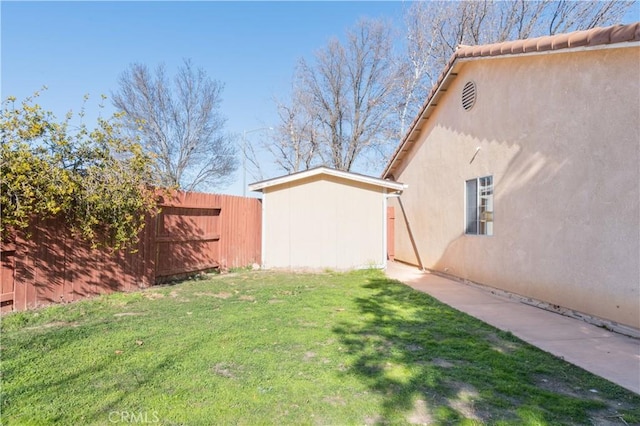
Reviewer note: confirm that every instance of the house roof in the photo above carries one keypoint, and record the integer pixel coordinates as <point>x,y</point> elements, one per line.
<point>326,171</point>
<point>577,40</point>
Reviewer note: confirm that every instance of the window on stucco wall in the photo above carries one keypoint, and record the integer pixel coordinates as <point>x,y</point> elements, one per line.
<point>479,206</point>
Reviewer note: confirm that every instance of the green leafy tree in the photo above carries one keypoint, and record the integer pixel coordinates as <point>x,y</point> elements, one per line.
<point>96,179</point>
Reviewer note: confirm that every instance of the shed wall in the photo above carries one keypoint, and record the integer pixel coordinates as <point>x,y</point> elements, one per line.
<point>323,222</point>
<point>559,134</point>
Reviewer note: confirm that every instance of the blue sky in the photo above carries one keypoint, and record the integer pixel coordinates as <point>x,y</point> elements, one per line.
<point>78,48</point>
<point>75,48</point>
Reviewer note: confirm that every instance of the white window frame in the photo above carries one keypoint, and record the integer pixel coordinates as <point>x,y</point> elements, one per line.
<point>481,222</point>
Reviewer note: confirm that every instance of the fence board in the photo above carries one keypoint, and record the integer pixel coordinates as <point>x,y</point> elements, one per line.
<point>7,271</point>
<point>194,232</point>
<point>241,238</point>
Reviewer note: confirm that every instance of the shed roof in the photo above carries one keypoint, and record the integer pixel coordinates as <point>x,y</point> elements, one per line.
<point>574,41</point>
<point>326,171</point>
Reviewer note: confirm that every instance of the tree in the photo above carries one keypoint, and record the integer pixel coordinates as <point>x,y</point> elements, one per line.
<point>96,179</point>
<point>435,29</point>
<point>294,144</point>
<point>338,112</point>
<point>179,124</point>
<point>356,99</point>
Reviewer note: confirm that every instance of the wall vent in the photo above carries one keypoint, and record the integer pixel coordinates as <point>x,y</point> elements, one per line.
<point>469,95</point>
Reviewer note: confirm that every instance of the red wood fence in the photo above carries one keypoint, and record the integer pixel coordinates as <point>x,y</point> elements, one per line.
<point>193,232</point>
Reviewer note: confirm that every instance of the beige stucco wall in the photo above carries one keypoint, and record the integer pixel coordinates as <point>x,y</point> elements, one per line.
<point>560,134</point>
<point>323,222</point>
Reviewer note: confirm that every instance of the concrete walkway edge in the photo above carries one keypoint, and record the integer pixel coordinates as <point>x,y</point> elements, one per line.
<point>610,355</point>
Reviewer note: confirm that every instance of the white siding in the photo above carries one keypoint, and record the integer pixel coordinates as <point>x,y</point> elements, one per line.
<point>324,222</point>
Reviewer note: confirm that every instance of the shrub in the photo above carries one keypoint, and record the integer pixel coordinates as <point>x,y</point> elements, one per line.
<point>96,179</point>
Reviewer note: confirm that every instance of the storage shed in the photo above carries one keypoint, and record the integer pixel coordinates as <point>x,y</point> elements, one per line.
<point>324,219</point>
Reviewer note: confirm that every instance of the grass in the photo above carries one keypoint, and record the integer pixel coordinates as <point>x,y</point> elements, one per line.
<point>258,348</point>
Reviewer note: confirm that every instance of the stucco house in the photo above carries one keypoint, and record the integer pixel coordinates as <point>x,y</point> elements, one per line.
<point>323,218</point>
<point>523,173</point>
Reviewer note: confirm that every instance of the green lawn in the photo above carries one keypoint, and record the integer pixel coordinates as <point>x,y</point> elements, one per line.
<point>268,348</point>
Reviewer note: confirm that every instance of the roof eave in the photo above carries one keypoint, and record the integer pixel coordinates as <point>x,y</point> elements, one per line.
<point>617,36</point>
<point>281,180</point>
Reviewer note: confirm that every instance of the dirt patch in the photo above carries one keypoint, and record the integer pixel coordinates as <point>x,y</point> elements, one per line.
<point>53,325</point>
<point>226,370</point>
<point>246,298</point>
<point>605,417</point>
<point>420,414</point>
<point>608,419</point>
<point>128,314</point>
<point>559,385</point>
<point>275,301</point>
<point>174,294</point>
<point>414,348</point>
<point>369,421</point>
<point>464,401</point>
<point>438,362</point>
<point>308,356</point>
<point>334,400</point>
<point>221,295</point>
<point>154,296</point>
<point>501,345</point>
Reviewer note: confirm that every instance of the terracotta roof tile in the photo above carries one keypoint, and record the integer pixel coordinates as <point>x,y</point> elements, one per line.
<point>485,50</point>
<point>515,47</point>
<point>530,45</point>
<point>625,33</point>
<point>578,38</point>
<point>586,38</point>
<point>495,50</point>
<point>544,43</point>
<point>560,42</point>
<point>593,37</point>
<point>599,36</point>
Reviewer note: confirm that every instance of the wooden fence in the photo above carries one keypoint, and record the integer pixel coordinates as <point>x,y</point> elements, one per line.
<point>193,232</point>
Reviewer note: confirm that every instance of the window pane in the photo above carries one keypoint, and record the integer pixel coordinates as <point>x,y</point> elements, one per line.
<point>472,207</point>
<point>485,207</point>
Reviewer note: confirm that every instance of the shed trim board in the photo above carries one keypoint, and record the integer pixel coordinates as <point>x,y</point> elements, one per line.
<point>264,233</point>
<point>385,243</point>
<point>322,170</point>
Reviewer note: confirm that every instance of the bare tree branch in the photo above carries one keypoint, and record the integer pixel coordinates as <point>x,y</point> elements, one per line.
<point>434,29</point>
<point>344,95</point>
<point>293,145</point>
<point>179,124</point>
<point>356,99</point>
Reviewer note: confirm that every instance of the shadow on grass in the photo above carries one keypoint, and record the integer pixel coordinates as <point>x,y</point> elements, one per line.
<point>434,365</point>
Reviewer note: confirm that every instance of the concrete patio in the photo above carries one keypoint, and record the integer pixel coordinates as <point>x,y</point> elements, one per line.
<point>610,355</point>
